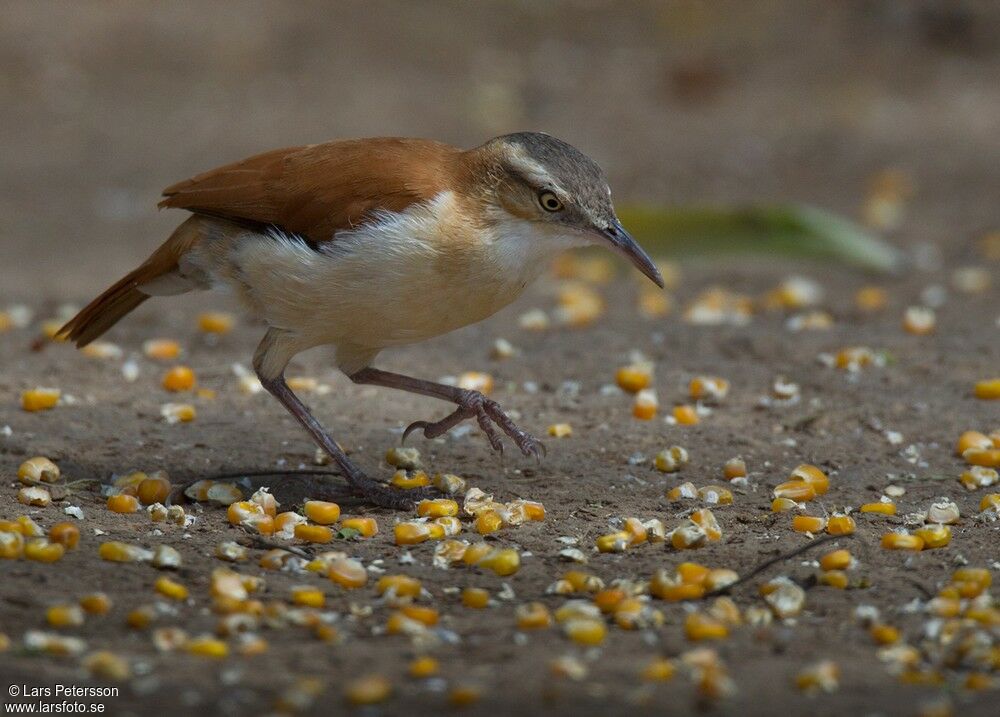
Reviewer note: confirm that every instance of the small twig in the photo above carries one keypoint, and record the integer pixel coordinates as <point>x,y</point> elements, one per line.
<point>257,541</point>
<point>236,475</point>
<point>761,567</point>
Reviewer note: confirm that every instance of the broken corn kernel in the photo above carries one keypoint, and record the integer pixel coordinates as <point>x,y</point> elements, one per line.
<point>161,349</point>
<point>708,387</point>
<point>503,562</point>
<point>645,404</point>
<point>884,634</point>
<point>178,412</point>
<point>179,378</point>
<point>533,616</point>
<point>66,534</point>
<point>560,430</point>
<point>313,533</point>
<point>734,468</point>
<point>321,511</point>
<point>40,399</point>
<point>419,479</point>
<point>437,508</point>
<point>34,495</point>
<point>61,616</point>
<point>614,542</point>
<point>686,415</point>
<point>366,527</point>
<point>476,381</point>
<point>411,533</point>
<point>671,460</point>
<point>808,523</point>
<point>934,536</point>
<point>347,573</point>
<point>705,519</point>
<point>840,524</point>
<point>833,578</point>
<point>585,631</point>
<point>699,626</point>
<point>423,667</point>
<point>813,476</point>
<point>797,490</point>
<point>38,469</point>
<point>919,320</point>
<point>902,541</point>
<point>43,551</point>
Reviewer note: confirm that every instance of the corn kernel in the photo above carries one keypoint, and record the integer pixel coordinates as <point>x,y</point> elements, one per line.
<point>934,536</point>
<point>503,562</point>
<point>475,598</point>
<point>823,676</point>
<point>423,667</point>
<point>708,387</point>
<point>449,483</point>
<point>986,458</point>
<point>783,505</point>
<point>734,468</point>
<point>972,439</point>
<point>207,647</point>
<point>66,534</point>
<point>348,573</point>
<point>39,469</point>
<point>797,490</point>
<point>321,511</point>
<point>40,399</point>
<point>882,507</point>
<point>308,596</point>
<point>808,523</point>
<point>634,378</point>
<point>919,321</point>
<point>95,603</point>
<point>476,381</point>
<point>437,508</point>
<point>43,551</point>
<point>684,490</point>
<point>425,615</point>
<point>411,533</point>
<point>161,349</point>
<point>585,631</point>
<point>215,322</point>
<point>944,606</point>
<point>560,430</point>
<point>840,524</point>
<point>689,536</point>
<point>170,588</point>
<point>980,576</point>
<point>718,578</point>
<point>153,489</point>
<point>28,527</point>
<point>685,415</point>
<point>405,458</point>
<point>836,560</point>
<point>671,460</point>
<point>902,541</point>
<point>884,634</point>
<point>398,586</point>
<point>266,501</point>
<point>871,298</point>
<point>833,578</point>
<point>699,626</point>
<point>366,527</point>
<point>614,542</point>
<point>812,475</point>
<point>107,666</point>
<point>979,477</point>
<point>533,616</point>
<point>419,479</point>
<point>608,600</point>
<point>61,616</point>
<point>987,390</point>
<point>368,690</point>
<point>705,519</point>
<point>472,554</point>
<point>34,495</point>
<point>122,503</point>
<point>671,589</point>
<point>141,617</point>
<point>659,669</point>
<point>179,378</point>
<point>645,404</point>
<point>178,412</point>
<point>715,495</point>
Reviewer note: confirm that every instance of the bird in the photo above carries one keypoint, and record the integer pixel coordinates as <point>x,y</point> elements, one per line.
<point>366,244</point>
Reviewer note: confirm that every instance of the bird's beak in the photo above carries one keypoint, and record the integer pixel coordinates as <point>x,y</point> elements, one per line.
<point>624,244</point>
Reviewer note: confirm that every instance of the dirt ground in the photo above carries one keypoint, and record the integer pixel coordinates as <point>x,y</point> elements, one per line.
<point>104,117</point>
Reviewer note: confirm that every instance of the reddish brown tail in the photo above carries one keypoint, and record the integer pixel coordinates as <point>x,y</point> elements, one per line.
<point>124,295</point>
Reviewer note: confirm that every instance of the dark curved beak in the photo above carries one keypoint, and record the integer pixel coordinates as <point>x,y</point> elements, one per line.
<point>622,242</point>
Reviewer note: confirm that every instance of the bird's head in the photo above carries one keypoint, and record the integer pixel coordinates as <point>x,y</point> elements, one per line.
<point>560,190</point>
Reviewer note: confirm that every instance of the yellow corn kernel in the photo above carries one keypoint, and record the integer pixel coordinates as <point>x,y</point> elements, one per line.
<point>797,490</point>
<point>840,524</point>
<point>476,381</point>
<point>215,322</point>
<point>705,519</point>
<point>987,390</point>
<point>715,495</point>
<point>476,598</point>
<point>990,501</point>
<point>812,475</point>
<point>179,378</point>
<point>34,495</point>
<point>171,589</point>
<point>161,349</point>
<point>686,415</point>
<point>40,399</point>
<point>734,468</point>
<point>308,596</point>
<point>321,511</point>
<point>61,616</point>
<point>141,617</point>
<point>423,667</point>
<point>503,562</point>
<point>884,634</point>
<point>96,603</point>
<point>636,530</point>
<point>153,489</point>
<point>405,458</point>
<point>43,551</point>
<point>871,298</point>
<point>347,573</point>
<point>986,458</point>
<point>882,507</point>
<point>107,665</point>
<point>634,378</point>
<point>823,676</point>
<point>313,533</point>
<point>178,412</point>
<point>833,578</point>
<point>368,690</point>
<point>708,387</point>
<point>533,616</point>
<point>902,541</point>
<point>585,631</point>
<point>474,553</point>
<point>671,460</point>
<point>463,695</point>
<point>659,669</point>
<point>614,542</point>
<point>980,576</point>
<point>560,430</point>
<point>979,477</point>
<point>411,533</point>
<point>934,536</point>
<point>28,527</point>
<point>421,613</point>
<point>666,588</point>
<point>972,440</point>
<point>450,524</point>
<point>808,523</point>
<point>266,501</point>
<point>123,503</point>
<point>608,600</point>
<point>419,479</point>
<point>645,404</point>
<point>399,586</point>
<point>919,321</point>
<point>699,626</point>
<point>944,606</point>
<point>684,490</point>
<point>39,469</point>
<point>437,508</point>
<point>66,534</point>
<point>689,536</point>
<point>836,560</point>
<point>783,505</point>
<point>207,647</point>
<point>719,578</point>
<point>449,483</point>
<point>366,527</point>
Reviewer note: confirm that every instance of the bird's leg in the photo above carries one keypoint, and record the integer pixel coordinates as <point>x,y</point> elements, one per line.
<point>373,491</point>
<point>471,404</point>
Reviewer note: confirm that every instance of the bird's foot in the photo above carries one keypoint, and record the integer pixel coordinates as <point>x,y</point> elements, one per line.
<point>385,496</point>
<point>489,415</point>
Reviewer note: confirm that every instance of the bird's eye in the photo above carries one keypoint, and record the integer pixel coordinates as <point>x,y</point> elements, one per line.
<point>549,201</point>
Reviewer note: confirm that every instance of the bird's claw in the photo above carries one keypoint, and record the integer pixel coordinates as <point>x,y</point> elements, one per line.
<point>489,415</point>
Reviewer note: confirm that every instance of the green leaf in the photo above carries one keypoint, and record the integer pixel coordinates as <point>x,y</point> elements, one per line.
<point>787,231</point>
<point>348,533</point>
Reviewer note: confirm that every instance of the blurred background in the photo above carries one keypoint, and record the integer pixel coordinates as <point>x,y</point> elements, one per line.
<point>102,104</point>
